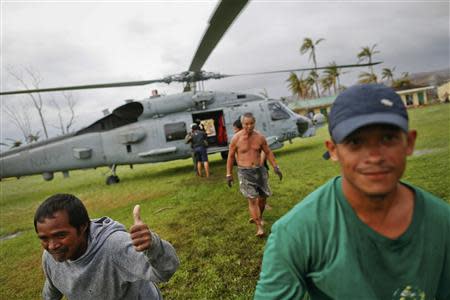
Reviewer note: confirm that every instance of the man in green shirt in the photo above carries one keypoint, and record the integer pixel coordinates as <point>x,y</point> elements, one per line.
<point>365,234</point>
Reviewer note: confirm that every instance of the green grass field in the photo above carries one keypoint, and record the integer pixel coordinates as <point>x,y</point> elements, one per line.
<point>205,220</point>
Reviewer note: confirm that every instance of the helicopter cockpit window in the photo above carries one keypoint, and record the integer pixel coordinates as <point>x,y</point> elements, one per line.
<point>175,131</point>
<point>277,112</point>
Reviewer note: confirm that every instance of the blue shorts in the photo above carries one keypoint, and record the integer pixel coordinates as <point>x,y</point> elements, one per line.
<point>201,154</point>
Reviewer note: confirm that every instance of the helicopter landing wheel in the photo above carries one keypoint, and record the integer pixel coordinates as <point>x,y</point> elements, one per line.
<point>112,179</point>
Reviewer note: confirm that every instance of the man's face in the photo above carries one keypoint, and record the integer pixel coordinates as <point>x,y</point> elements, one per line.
<point>373,158</point>
<point>248,124</point>
<point>60,239</point>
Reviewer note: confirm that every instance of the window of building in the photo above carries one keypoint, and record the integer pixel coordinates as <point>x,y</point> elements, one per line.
<point>409,100</point>
<point>175,131</point>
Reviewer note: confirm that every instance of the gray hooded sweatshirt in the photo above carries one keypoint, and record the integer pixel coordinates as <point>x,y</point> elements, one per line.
<point>110,268</point>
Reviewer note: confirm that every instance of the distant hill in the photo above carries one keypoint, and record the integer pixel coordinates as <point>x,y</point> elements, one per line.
<point>435,78</point>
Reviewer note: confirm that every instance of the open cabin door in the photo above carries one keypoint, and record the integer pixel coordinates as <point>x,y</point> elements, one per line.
<point>214,124</point>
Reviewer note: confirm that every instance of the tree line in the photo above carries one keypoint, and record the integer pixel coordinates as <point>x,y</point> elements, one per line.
<point>315,85</point>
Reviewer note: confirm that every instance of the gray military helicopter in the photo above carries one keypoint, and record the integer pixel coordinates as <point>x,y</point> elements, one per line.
<point>153,129</point>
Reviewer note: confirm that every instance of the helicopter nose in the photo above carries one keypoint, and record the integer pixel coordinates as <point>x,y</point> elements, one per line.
<point>302,126</point>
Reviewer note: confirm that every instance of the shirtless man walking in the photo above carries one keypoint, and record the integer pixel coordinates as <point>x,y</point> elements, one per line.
<point>246,146</point>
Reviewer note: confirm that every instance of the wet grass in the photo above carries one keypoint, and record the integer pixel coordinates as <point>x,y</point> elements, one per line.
<point>205,220</point>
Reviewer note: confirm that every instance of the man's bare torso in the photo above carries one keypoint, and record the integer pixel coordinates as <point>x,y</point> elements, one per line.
<point>248,148</point>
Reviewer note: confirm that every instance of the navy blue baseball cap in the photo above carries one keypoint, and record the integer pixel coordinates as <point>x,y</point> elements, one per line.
<point>363,105</point>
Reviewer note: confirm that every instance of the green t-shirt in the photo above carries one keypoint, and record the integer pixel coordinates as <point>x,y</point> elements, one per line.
<point>323,248</point>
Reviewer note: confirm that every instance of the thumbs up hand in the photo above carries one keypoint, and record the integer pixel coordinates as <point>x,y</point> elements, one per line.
<point>141,236</point>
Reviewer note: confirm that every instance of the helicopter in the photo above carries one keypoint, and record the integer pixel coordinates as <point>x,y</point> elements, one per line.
<point>153,129</point>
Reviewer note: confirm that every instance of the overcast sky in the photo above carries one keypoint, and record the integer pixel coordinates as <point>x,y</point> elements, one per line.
<point>86,42</point>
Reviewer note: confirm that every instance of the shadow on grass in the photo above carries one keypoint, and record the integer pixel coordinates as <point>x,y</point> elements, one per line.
<point>169,171</point>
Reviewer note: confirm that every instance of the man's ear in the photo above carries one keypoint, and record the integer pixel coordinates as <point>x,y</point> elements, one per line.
<point>411,140</point>
<point>83,228</point>
<point>331,147</point>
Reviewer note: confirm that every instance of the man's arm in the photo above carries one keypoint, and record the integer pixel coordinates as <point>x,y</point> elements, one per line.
<point>49,292</point>
<point>160,253</point>
<point>157,263</point>
<point>230,160</point>
<point>271,158</point>
<point>143,254</point>
<point>282,271</point>
<point>268,152</point>
<point>163,258</point>
<point>188,138</point>
<point>263,158</point>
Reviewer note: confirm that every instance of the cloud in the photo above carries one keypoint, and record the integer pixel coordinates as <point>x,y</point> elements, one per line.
<point>94,42</point>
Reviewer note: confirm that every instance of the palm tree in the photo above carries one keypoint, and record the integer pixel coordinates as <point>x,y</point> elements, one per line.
<point>366,54</point>
<point>298,86</point>
<point>388,74</point>
<point>366,77</point>
<point>294,84</point>
<point>402,82</point>
<point>313,80</point>
<point>326,83</point>
<point>310,46</point>
<point>332,72</point>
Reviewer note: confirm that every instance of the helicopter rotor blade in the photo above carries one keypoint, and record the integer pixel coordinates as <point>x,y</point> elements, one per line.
<point>224,15</point>
<point>304,69</point>
<point>83,87</point>
<point>183,77</point>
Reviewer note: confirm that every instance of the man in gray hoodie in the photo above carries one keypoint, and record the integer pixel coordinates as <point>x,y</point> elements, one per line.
<point>99,259</point>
